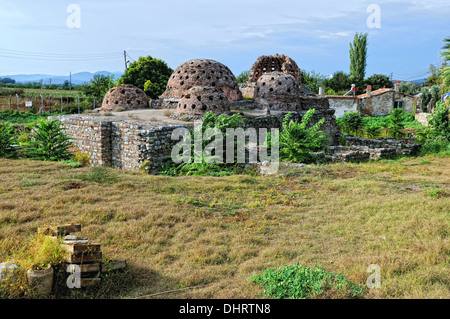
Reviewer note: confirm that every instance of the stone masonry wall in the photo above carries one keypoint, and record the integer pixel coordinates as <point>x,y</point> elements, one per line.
<point>126,145</point>
<point>343,104</point>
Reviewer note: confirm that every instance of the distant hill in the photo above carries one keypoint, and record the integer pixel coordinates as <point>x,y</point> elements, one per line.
<point>77,78</point>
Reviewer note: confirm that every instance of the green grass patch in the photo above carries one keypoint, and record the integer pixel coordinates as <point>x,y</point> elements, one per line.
<point>300,282</point>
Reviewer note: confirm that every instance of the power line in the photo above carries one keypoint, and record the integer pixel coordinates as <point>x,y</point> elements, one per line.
<point>15,54</point>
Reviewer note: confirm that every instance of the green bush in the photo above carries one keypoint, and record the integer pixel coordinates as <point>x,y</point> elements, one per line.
<point>7,140</point>
<point>439,122</point>
<point>436,145</point>
<point>372,131</point>
<point>396,125</point>
<point>299,282</point>
<point>298,141</point>
<point>48,142</point>
<point>352,123</point>
<point>207,165</point>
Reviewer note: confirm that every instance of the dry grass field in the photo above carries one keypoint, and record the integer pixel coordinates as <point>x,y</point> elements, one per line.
<point>217,232</point>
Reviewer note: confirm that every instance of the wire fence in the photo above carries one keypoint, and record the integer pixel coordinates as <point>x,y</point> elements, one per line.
<point>48,103</point>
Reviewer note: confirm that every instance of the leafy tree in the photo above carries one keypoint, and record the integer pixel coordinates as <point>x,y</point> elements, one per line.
<point>408,88</point>
<point>313,80</point>
<point>426,97</point>
<point>148,69</point>
<point>433,78</point>
<point>48,142</point>
<point>340,81</point>
<point>358,56</point>
<point>378,81</point>
<point>298,141</point>
<point>97,86</point>
<point>243,77</point>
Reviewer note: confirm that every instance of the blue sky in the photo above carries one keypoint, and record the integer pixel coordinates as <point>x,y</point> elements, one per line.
<point>35,37</point>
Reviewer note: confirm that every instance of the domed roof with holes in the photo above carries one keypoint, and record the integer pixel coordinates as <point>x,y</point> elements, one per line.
<point>125,97</point>
<point>277,91</point>
<point>274,63</point>
<point>199,100</point>
<point>202,73</point>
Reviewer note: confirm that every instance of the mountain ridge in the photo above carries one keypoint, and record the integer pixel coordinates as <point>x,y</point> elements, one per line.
<point>77,78</point>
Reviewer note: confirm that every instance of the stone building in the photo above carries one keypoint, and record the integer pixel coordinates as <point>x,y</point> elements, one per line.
<point>375,103</point>
<point>124,97</point>
<point>383,101</point>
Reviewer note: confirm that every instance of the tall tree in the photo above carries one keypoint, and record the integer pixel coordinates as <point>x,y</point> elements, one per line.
<point>445,72</point>
<point>358,56</point>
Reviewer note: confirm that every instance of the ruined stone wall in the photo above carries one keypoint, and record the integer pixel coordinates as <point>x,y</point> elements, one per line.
<point>90,137</point>
<point>125,145</point>
<point>343,104</point>
<point>422,118</point>
<point>275,121</point>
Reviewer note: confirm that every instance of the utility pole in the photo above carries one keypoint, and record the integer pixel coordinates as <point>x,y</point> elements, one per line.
<point>125,59</point>
<point>70,83</point>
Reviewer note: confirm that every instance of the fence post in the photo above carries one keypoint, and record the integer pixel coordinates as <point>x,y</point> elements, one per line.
<point>78,99</point>
<point>61,103</point>
<point>17,96</point>
<point>51,107</point>
<point>94,103</point>
<point>42,104</point>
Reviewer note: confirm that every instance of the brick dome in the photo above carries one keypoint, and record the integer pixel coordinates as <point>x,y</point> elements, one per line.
<point>277,91</point>
<point>274,63</point>
<point>199,100</point>
<point>202,73</point>
<point>124,96</point>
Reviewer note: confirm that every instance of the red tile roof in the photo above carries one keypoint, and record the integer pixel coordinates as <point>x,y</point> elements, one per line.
<point>376,92</point>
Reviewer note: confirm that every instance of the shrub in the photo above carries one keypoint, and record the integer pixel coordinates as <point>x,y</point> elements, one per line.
<point>7,140</point>
<point>298,141</point>
<point>48,142</point>
<point>299,282</point>
<point>207,165</point>
<point>439,122</point>
<point>372,131</point>
<point>436,145</point>
<point>396,125</point>
<point>352,122</point>
<point>82,158</point>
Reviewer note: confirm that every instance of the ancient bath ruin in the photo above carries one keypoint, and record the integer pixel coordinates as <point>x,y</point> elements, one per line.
<point>131,133</point>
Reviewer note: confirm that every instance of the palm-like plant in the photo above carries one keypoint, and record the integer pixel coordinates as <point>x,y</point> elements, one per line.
<point>298,141</point>
<point>48,142</point>
<point>445,73</point>
<point>7,139</point>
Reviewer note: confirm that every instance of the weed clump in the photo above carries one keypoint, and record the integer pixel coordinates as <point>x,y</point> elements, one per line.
<point>299,282</point>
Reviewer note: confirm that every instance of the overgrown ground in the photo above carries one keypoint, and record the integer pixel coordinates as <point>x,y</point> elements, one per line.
<point>195,231</point>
